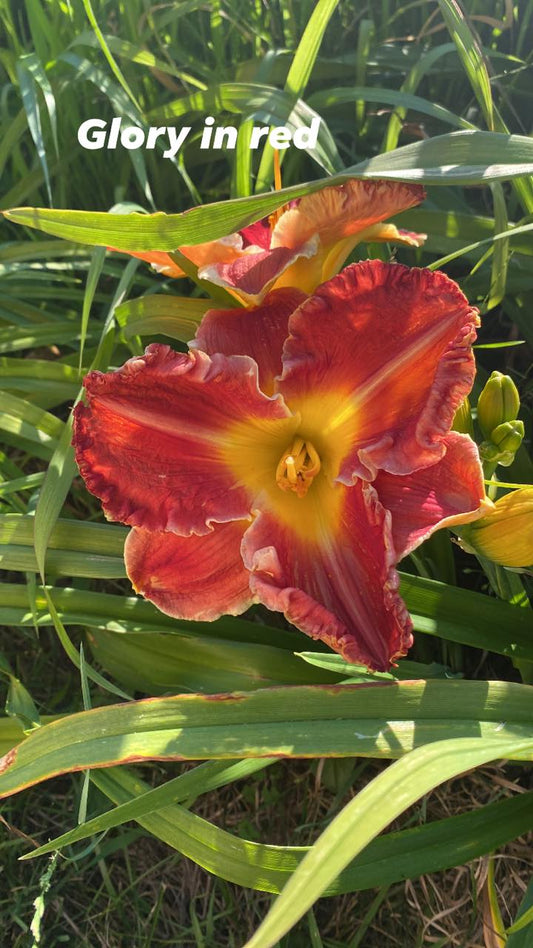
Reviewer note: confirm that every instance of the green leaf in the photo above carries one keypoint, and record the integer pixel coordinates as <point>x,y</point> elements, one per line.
<point>437,609</point>
<point>132,614</point>
<point>500,259</point>
<point>95,269</point>
<point>253,100</point>
<point>107,52</point>
<point>459,158</point>
<point>52,495</point>
<point>391,858</point>
<point>28,92</point>
<point>136,54</point>
<point>520,931</point>
<point>297,79</point>
<point>471,56</point>
<point>177,317</point>
<point>380,802</point>
<point>20,704</point>
<point>29,337</point>
<point>378,720</point>
<point>341,95</point>
<point>187,787</point>
<point>422,65</point>
<point>72,653</point>
<point>158,664</point>
<point>28,422</point>
<point>505,236</point>
<point>11,734</point>
<point>404,671</point>
<point>469,618</point>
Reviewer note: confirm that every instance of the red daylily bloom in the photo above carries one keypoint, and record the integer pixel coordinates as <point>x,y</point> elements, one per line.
<point>306,497</point>
<point>304,244</point>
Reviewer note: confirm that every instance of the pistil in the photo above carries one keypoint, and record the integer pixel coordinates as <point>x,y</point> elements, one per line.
<point>298,467</point>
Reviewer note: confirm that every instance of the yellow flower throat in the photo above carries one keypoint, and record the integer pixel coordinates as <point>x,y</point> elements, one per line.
<point>298,467</point>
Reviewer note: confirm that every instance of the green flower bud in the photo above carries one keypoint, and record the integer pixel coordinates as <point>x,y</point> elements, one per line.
<point>462,420</point>
<point>504,442</point>
<point>489,452</point>
<point>508,436</point>
<point>499,402</point>
<point>505,534</point>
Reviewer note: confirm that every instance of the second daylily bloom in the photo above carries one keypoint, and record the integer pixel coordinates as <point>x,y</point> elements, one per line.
<point>298,472</point>
<point>302,245</point>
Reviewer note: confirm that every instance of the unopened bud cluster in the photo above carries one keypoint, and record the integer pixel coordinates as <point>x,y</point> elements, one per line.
<point>497,408</point>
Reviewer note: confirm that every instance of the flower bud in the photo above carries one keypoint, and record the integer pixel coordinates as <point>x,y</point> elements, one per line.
<point>499,402</point>
<point>462,420</point>
<point>504,442</point>
<point>505,534</point>
<point>509,436</point>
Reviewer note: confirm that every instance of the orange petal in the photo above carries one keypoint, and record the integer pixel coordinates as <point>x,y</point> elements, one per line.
<point>223,251</point>
<point>389,233</point>
<point>161,261</point>
<point>376,362</point>
<point>155,440</point>
<point>199,578</point>
<point>446,494</point>
<point>339,216</point>
<point>257,331</point>
<point>336,581</point>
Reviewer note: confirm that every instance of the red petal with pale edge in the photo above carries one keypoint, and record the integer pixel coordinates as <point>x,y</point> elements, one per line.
<point>199,578</point>
<point>446,494</point>
<point>252,274</point>
<point>151,442</point>
<point>388,348</point>
<point>257,331</point>
<point>341,589</point>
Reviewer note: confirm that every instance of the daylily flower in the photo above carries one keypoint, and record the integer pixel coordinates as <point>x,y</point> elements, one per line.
<point>302,245</point>
<point>297,472</point>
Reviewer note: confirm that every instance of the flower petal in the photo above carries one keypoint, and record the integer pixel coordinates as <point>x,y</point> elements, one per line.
<point>153,441</point>
<point>446,494</point>
<point>199,578</point>
<point>258,234</point>
<point>161,261</point>
<point>334,580</point>
<point>253,273</point>
<point>224,251</point>
<point>341,217</point>
<point>337,212</point>
<point>389,233</point>
<point>377,362</point>
<point>257,331</point>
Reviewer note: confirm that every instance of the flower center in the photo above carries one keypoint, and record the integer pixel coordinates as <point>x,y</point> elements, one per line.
<point>298,466</point>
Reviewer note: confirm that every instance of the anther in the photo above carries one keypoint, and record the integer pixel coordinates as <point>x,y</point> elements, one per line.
<point>298,467</point>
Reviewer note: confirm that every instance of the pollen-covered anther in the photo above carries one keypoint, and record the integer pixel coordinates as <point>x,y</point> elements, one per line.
<point>298,467</point>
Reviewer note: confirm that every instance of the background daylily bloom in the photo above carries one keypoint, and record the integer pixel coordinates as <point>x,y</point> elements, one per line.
<point>304,244</point>
<point>303,499</point>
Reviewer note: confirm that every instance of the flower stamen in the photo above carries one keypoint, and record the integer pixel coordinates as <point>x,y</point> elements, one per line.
<point>298,467</point>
